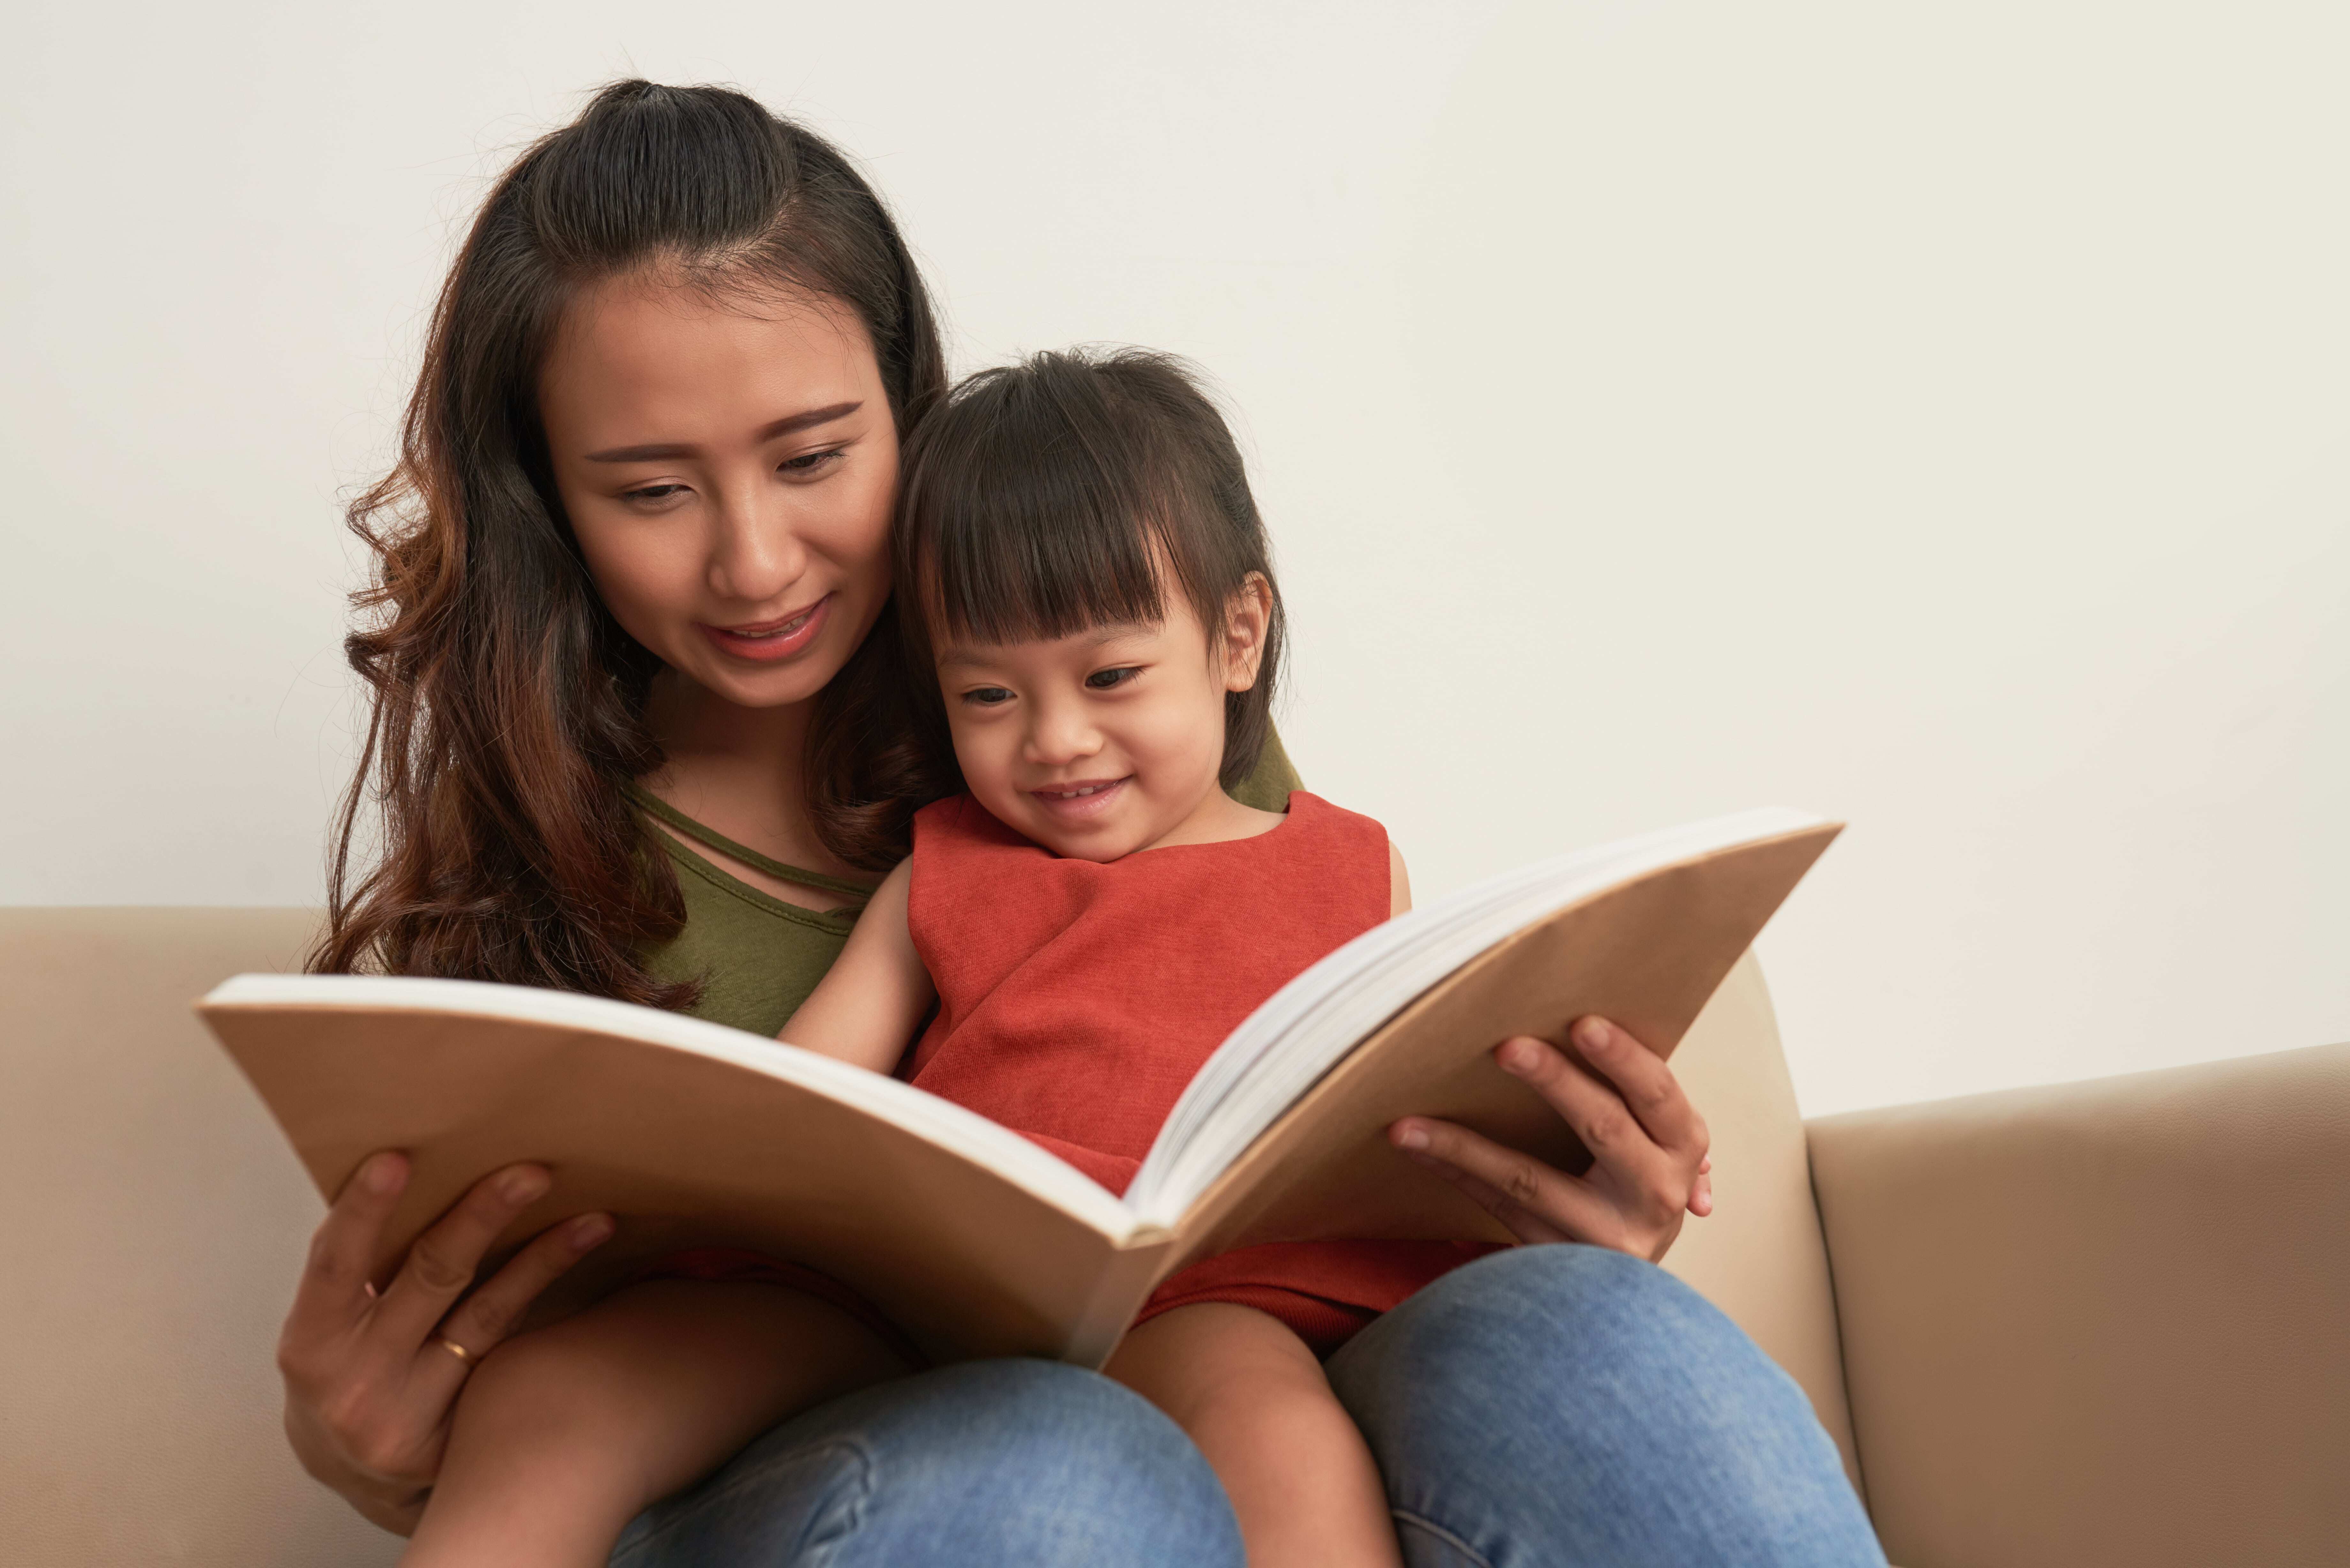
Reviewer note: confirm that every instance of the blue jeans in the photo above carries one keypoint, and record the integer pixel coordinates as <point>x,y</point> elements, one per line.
<point>1563,1406</point>
<point>989,1464</point>
<point>1557,1406</point>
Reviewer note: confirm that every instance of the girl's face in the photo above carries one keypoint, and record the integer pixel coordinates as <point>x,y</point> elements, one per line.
<point>1107,740</point>
<point>728,468</point>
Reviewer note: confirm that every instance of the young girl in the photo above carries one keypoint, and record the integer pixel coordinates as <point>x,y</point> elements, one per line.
<point>1084,569</point>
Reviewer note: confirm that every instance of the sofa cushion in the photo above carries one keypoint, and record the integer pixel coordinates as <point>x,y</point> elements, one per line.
<point>153,1220</point>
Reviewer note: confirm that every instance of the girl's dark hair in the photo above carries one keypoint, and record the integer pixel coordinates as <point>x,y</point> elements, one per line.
<point>1059,493</point>
<point>506,704</point>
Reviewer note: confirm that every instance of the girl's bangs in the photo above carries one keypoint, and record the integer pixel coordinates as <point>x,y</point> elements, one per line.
<point>1066,552</point>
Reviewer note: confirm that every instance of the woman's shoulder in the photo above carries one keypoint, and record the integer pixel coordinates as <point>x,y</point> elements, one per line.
<point>1271,780</point>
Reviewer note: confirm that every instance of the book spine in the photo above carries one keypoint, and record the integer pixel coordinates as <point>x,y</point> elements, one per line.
<point>1135,1270</point>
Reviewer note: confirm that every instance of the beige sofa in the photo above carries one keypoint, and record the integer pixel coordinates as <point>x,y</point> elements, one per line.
<point>2108,1322</point>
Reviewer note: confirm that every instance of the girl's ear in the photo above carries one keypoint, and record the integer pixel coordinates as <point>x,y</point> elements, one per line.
<point>1247,614</point>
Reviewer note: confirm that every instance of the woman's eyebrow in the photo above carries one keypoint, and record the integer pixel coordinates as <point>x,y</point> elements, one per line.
<point>814,417</point>
<point>654,451</point>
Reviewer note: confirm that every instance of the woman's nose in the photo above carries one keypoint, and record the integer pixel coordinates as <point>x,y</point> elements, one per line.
<point>756,551</point>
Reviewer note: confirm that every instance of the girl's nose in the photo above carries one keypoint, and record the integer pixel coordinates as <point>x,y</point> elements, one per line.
<point>1060,733</point>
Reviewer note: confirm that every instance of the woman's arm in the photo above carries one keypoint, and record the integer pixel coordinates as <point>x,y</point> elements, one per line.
<point>1648,1146</point>
<point>369,1381</point>
<point>876,994</point>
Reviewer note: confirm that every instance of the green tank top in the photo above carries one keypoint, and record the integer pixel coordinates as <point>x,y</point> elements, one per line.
<point>758,957</point>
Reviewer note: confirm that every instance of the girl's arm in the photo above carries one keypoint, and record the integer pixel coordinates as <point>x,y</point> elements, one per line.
<point>877,994</point>
<point>568,1431</point>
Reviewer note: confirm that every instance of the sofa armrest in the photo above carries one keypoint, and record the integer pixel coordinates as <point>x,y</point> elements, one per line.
<point>1759,1256</point>
<point>2105,1322</point>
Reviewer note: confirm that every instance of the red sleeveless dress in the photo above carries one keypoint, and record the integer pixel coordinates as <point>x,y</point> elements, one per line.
<point>1077,999</point>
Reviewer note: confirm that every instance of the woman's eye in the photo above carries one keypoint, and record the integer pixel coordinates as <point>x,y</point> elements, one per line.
<point>1103,680</point>
<point>653,493</point>
<point>987,696</point>
<point>808,462</point>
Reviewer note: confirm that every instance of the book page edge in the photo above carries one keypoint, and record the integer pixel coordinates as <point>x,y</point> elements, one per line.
<point>919,1114</point>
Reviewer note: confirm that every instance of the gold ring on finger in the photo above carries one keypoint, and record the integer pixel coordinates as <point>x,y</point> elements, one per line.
<point>457,1350</point>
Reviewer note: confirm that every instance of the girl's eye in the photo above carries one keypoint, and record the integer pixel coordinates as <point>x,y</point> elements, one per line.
<point>653,493</point>
<point>808,462</point>
<point>1104,680</point>
<point>987,696</point>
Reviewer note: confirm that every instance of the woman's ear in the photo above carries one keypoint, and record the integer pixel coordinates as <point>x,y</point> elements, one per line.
<point>1247,614</point>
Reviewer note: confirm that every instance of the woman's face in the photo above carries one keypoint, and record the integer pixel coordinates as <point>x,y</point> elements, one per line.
<point>729,468</point>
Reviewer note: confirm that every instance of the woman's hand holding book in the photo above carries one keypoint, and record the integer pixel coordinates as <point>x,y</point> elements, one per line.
<point>371,1377</point>
<point>1647,1143</point>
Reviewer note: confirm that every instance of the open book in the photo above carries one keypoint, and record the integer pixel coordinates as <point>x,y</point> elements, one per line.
<point>972,1239</point>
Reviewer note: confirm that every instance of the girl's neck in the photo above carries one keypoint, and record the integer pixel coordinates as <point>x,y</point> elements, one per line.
<point>739,771</point>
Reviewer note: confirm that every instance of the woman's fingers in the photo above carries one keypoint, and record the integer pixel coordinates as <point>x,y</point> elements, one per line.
<point>333,1294</point>
<point>1645,1084</point>
<point>1561,1202</point>
<point>1591,1106</point>
<point>1528,1228</point>
<point>490,1314</point>
<point>1648,1146</point>
<point>368,1389</point>
<point>442,1261</point>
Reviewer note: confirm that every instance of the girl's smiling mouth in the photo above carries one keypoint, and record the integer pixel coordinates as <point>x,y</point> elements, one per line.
<point>1080,799</point>
<point>766,642</point>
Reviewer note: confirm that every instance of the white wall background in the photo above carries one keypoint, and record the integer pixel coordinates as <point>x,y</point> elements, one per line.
<point>1936,416</point>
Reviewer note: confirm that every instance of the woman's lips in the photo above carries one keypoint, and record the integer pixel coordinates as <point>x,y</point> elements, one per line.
<point>767,641</point>
<point>1080,799</point>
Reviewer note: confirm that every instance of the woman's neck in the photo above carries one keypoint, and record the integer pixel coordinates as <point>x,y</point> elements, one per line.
<point>739,771</point>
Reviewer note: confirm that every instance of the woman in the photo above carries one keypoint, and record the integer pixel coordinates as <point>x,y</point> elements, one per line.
<point>635,734</point>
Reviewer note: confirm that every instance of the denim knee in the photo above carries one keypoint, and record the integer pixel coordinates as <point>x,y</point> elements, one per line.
<point>1567,1403</point>
<point>988,1464</point>
<point>1503,1316</point>
<point>1507,1342</point>
<point>1067,1440</point>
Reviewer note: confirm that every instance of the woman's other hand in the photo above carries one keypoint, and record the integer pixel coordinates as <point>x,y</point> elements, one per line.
<point>369,1384</point>
<point>1648,1146</point>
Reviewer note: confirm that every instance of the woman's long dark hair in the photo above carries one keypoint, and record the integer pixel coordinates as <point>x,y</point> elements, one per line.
<point>507,706</point>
